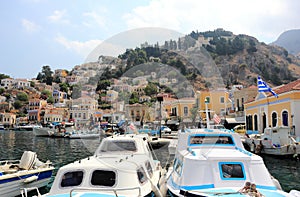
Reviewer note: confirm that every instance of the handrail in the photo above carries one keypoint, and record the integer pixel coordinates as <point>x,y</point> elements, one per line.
<point>105,189</point>
<point>25,190</point>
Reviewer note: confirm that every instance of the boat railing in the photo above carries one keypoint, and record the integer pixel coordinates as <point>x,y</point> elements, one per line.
<point>6,162</point>
<point>114,190</point>
<point>24,191</point>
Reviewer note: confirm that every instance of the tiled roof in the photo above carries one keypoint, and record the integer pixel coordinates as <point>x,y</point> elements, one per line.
<point>294,85</point>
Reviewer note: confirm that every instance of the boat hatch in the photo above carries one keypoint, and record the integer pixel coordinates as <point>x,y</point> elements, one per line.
<point>116,146</point>
<point>210,140</point>
<point>103,178</point>
<point>70,179</point>
<point>232,171</point>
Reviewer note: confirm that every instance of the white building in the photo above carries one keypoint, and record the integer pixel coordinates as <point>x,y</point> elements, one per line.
<point>83,109</point>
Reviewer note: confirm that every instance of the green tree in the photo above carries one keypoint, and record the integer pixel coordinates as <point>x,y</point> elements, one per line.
<point>2,90</point>
<point>17,104</point>
<point>134,98</point>
<point>151,89</point>
<point>46,75</point>
<point>4,76</point>
<point>32,84</point>
<point>47,93</point>
<point>103,84</point>
<point>64,87</point>
<point>22,96</point>
<point>50,99</point>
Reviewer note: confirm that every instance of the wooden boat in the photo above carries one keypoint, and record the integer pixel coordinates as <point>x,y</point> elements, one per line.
<point>27,172</point>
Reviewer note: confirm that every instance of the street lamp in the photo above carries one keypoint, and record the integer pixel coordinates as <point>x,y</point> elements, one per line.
<point>160,99</point>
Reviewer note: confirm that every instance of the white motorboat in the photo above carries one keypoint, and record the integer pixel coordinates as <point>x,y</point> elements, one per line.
<point>27,172</point>
<point>85,133</point>
<point>213,162</point>
<point>121,166</point>
<point>274,141</point>
<point>27,127</point>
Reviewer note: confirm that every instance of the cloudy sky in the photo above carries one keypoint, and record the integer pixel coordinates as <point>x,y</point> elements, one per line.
<point>62,33</point>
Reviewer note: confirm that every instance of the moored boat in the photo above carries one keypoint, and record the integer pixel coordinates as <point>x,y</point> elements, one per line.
<point>213,162</point>
<point>274,141</point>
<point>121,166</point>
<point>27,172</point>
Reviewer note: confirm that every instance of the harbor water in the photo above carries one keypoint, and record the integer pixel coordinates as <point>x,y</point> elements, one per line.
<point>61,151</point>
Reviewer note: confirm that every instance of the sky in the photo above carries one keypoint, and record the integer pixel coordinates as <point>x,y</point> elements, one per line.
<point>62,33</point>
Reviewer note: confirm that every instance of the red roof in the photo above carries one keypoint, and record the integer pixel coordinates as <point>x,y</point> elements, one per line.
<point>294,85</point>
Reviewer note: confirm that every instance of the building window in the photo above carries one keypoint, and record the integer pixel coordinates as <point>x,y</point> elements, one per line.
<point>222,99</point>
<point>207,99</point>
<point>186,111</point>
<point>255,123</point>
<point>274,119</point>
<point>285,118</point>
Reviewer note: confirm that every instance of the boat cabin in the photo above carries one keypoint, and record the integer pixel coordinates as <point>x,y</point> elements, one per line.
<point>207,158</point>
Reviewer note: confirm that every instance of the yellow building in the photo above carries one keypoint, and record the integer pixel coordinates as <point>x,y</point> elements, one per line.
<point>182,108</point>
<point>217,102</point>
<point>268,111</point>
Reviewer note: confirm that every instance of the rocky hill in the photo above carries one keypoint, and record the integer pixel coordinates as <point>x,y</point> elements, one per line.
<point>238,58</point>
<point>290,40</point>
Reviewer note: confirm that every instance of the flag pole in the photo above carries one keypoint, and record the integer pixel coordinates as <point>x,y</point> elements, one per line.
<point>206,112</point>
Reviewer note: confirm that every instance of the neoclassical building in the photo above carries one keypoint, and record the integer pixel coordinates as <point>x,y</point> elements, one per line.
<point>268,111</point>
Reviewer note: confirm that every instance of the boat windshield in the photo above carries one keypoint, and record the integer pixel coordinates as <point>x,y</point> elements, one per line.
<point>194,140</point>
<point>112,146</point>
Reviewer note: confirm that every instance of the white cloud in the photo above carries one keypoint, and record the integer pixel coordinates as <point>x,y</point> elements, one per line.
<point>58,16</point>
<point>30,26</point>
<point>81,48</point>
<point>94,19</point>
<point>265,19</point>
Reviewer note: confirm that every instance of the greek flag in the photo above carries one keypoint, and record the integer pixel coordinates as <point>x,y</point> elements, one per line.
<point>263,87</point>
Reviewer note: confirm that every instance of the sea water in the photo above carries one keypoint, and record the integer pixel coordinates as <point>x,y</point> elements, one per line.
<point>61,151</point>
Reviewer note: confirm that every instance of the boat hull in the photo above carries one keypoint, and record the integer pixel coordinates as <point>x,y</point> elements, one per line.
<point>265,147</point>
<point>11,185</point>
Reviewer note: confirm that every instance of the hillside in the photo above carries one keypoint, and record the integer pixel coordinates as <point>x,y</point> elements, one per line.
<point>239,59</point>
<point>290,40</point>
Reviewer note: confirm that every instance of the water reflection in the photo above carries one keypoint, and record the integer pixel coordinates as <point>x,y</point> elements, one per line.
<point>61,151</point>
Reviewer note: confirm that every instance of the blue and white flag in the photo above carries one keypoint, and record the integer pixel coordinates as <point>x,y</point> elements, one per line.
<point>263,87</point>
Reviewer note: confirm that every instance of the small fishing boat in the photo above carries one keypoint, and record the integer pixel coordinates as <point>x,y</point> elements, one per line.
<point>213,162</point>
<point>274,141</point>
<point>27,172</point>
<point>121,166</point>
